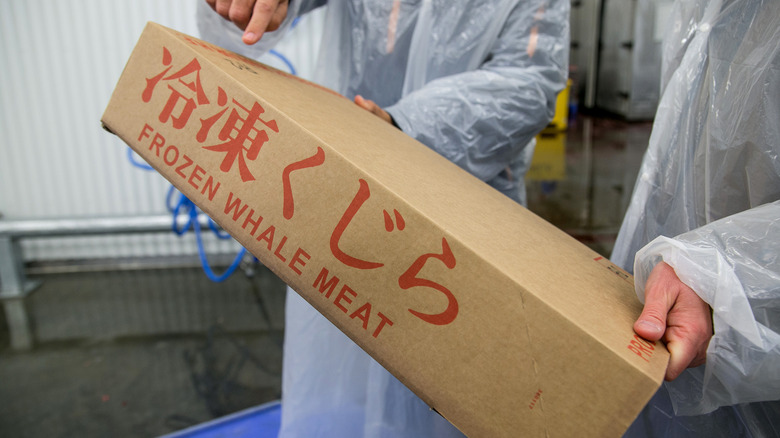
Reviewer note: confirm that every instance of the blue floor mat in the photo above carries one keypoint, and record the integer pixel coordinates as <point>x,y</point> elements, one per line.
<point>258,422</point>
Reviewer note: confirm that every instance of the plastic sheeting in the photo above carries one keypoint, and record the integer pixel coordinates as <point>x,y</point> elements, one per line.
<point>711,177</point>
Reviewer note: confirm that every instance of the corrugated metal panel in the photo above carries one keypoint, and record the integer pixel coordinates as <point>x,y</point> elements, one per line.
<point>59,62</point>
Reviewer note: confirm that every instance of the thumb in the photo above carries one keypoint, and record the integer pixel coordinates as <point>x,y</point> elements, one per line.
<point>373,108</point>
<point>364,103</point>
<point>359,99</point>
<point>651,323</point>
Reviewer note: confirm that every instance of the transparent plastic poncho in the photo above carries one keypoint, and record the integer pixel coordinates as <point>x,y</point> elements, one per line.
<point>474,80</point>
<point>706,202</point>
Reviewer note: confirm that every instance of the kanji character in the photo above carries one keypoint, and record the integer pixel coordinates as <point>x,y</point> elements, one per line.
<point>239,131</point>
<point>194,85</point>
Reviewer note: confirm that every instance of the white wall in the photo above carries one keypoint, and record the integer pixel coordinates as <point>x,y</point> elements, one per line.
<point>59,62</point>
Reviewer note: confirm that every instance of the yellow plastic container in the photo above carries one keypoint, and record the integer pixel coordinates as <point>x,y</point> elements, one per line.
<point>561,118</point>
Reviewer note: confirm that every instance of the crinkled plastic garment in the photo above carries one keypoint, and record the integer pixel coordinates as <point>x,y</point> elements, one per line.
<point>475,80</point>
<point>711,177</point>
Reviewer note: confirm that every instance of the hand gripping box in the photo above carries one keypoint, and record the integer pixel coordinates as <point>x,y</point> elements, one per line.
<point>499,321</point>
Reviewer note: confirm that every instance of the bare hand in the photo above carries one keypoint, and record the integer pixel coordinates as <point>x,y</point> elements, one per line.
<point>675,314</point>
<point>372,107</point>
<point>254,17</point>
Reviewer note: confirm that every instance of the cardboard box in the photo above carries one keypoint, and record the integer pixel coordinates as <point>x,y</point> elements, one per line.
<point>495,318</point>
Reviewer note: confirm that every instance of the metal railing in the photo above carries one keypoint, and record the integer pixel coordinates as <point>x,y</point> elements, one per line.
<point>14,284</point>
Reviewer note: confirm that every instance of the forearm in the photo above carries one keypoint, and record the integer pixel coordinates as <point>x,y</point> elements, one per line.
<point>479,128</point>
<point>482,118</point>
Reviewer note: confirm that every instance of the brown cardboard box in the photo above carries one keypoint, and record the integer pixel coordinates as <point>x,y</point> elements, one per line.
<point>495,318</point>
